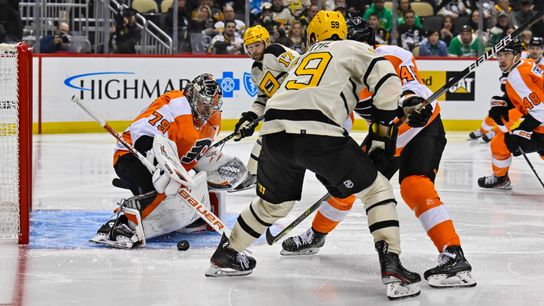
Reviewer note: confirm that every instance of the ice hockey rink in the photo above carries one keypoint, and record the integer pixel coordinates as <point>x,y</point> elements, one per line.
<point>502,233</point>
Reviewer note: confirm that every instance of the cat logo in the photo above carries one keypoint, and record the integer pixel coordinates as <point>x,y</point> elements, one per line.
<point>464,90</point>
<point>261,189</point>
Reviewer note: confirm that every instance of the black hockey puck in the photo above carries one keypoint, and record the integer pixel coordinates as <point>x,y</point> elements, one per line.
<point>183,245</point>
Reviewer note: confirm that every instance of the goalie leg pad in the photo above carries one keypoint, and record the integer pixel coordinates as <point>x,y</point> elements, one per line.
<point>254,220</point>
<point>172,213</point>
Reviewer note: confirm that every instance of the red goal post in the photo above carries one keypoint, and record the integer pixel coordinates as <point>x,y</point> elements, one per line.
<point>15,142</point>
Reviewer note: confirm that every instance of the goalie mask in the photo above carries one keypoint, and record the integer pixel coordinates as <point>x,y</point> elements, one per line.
<point>204,95</point>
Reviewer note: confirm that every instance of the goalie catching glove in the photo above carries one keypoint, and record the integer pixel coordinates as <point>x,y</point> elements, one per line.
<point>410,106</point>
<point>244,126</point>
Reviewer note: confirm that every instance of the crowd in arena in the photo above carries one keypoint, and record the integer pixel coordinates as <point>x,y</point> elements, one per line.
<point>427,28</point>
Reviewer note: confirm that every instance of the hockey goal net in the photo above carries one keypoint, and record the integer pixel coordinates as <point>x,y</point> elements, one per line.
<point>15,142</point>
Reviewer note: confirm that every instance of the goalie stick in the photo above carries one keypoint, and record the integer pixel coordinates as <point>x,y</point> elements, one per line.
<point>175,172</point>
<point>484,57</point>
<point>271,239</point>
<point>253,124</point>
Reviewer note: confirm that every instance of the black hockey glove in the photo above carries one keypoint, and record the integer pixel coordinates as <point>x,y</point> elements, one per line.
<point>243,127</point>
<point>499,110</point>
<point>409,106</point>
<point>380,149</point>
<point>518,139</point>
<point>521,136</point>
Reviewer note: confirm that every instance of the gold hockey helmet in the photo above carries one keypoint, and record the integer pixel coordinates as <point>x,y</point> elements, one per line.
<point>325,24</point>
<point>255,34</point>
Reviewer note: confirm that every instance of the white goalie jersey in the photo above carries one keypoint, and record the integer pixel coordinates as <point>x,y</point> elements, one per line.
<point>269,73</point>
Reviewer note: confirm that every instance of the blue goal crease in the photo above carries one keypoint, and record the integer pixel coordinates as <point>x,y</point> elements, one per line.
<point>72,229</point>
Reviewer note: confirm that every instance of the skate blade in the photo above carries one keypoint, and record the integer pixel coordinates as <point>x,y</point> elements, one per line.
<point>215,271</point>
<point>232,190</point>
<point>310,251</point>
<point>459,280</point>
<point>397,291</point>
<point>103,240</point>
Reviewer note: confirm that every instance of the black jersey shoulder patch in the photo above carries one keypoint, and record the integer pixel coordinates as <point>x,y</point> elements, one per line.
<point>275,49</point>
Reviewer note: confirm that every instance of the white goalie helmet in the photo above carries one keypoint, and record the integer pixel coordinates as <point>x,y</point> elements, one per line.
<point>205,96</point>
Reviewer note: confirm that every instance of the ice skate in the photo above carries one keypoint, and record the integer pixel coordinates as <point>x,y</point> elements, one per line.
<point>228,262</point>
<point>474,135</point>
<point>400,282</point>
<point>497,182</point>
<point>453,270</point>
<point>122,237</point>
<point>249,182</point>
<point>307,243</point>
<point>487,137</point>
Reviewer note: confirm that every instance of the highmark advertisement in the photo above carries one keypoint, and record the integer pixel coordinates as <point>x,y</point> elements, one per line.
<point>119,88</point>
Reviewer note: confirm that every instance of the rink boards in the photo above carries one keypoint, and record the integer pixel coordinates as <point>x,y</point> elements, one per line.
<point>119,87</point>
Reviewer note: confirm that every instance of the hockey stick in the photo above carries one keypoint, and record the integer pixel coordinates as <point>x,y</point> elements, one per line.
<point>253,124</point>
<point>208,216</point>
<point>271,239</point>
<point>531,165</point>
<point>484,57</point>
<point>504,128</point>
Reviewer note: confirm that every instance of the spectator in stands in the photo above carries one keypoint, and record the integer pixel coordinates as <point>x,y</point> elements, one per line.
<point>433,46</point>
<point>228,42</point>
<point>202,22</point>
<point>499,30</point>
<point>126,33</point>
<point>310,13</point>
<point>405,5</point>
<point>11,26</point>
<point>297,10</point>
<point>526,38</point>
<point>381,34</point>
<point>357,7</point>
<point>280,13</point>
<point>447,30</point>
<point>465,44</point>
<point>183,25</point>
<point>502,8</point>
<point>228,14</point>
<point>297,39</point>
<point>454,8</point>
<point>266,19</point>
<point>58,42</point>
<point>410,35</point>
<point>384,14</point>
<point>525,13</point>
<point>474,20</point>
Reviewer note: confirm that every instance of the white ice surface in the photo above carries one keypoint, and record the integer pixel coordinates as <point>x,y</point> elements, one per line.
<point>502,234</point>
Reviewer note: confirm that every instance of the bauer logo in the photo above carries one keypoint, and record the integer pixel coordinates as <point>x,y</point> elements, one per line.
<point>463,91</point>
<point>229,84</point>
<point>121,85</point>
<point>249,86</point>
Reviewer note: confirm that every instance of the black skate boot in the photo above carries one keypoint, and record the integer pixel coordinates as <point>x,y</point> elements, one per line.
<point>121,236</point>
<point>400,282</point>
<point>497,182</point>
<point>487,137</point>
<point>249,182</point>
<point>475,135</point>
<point>453,270</point>
<point>307,243</point>
<point>229,262</point>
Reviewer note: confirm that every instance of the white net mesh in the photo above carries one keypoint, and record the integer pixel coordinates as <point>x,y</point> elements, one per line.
<point>9,149</point>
